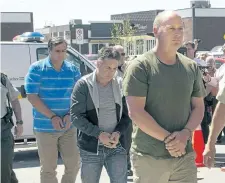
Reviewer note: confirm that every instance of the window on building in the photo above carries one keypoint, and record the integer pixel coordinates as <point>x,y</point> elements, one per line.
<point>55,34</point>
<point>139,46</point>
<point>96,47</point>
<point>67,35</point>
<point>129,48</point>
<point>61,34</point>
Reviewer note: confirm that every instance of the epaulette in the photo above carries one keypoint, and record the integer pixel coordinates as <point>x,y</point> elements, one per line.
<point>4,75</point>
<point>3,79</point>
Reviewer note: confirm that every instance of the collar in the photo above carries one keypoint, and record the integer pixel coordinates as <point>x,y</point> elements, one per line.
<point>49,64</point>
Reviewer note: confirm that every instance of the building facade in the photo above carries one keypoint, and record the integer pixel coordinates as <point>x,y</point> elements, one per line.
<point>56,31</point>
<point>142,21</point>
<point>15,23</point>
<point>207,24</point>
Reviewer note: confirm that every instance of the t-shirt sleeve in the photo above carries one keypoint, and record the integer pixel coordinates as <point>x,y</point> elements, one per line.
<point>32,80</point>
<point>135,81</point>
<point>198,87</point>
<point>221,93</point>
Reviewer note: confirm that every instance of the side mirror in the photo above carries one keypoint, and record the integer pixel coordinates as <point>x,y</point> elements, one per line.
<point>23,91</point>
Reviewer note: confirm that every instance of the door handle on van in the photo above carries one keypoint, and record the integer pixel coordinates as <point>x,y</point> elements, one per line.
<point>23,91</point>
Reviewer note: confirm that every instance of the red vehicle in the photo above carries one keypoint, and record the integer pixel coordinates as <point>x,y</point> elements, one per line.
<point>219,62</point>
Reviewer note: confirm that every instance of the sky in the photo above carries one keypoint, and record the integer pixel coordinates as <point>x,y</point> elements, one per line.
<point>59,12</point>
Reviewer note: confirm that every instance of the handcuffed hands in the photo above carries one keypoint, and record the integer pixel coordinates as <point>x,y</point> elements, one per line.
<point>61,123</point>
<point>109,140</point>
<point>176,143</point>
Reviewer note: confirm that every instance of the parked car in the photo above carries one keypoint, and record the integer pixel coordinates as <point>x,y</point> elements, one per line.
<point>217,51</point>
<point>219,62</point>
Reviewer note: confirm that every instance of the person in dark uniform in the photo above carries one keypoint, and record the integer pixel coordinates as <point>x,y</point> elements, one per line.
<point>9,104</point>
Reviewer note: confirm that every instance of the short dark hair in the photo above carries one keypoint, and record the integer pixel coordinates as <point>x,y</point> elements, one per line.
<point>108,52</point>
<point>190,43</point>
<point>55,41</point>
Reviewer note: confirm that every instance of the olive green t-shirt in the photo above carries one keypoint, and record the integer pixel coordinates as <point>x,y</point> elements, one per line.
<point>168,90</point>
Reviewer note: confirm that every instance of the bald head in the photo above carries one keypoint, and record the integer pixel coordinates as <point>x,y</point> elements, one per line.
<point>168,30</point>
<point>118,48</point>
<point>163,17</point>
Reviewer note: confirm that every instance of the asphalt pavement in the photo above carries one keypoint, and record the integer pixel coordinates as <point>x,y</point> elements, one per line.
<point>27,167</point>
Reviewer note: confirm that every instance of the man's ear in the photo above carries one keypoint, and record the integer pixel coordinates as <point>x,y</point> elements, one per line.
<point>155,31</point>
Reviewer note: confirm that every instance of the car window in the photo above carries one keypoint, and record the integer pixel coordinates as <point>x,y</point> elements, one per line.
<point>42,53</point>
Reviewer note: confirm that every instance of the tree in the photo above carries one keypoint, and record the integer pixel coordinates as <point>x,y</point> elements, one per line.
<point>121,33</point>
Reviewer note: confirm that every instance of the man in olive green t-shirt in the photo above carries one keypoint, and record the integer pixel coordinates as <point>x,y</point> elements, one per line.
<point>164,92</point>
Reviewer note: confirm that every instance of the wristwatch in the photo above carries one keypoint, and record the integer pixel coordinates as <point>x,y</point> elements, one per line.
<point>19,122</point>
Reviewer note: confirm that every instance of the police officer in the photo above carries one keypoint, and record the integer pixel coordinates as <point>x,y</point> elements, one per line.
<point>9,104</point>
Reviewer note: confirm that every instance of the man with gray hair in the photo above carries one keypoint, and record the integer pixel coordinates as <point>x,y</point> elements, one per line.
<point>98,110</point>
<point>159,87</point>
<point>120,49</point>
<point>128,133</point>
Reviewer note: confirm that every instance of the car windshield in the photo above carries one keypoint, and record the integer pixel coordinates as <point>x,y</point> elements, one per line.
<point>216,49</point>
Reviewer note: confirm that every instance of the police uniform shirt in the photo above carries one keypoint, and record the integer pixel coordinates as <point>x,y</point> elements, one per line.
<point>13,94</point>
<point>221,93</point>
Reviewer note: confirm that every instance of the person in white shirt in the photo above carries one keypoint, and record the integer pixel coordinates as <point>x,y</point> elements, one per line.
<point>218,123</point>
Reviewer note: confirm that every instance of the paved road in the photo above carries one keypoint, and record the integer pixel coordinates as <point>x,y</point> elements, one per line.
<point>26,166</point>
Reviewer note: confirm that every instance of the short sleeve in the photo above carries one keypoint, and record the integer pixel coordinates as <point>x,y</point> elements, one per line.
<point>135,81</point>
<point>13,92</point>
<point>221,93</point>
<point>32,79</point>
<point>198,88</point>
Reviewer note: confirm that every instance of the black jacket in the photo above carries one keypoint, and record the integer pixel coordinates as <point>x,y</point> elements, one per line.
<point>84,112</point>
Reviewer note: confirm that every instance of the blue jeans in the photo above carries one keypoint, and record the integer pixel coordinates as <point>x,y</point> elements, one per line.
<point>114,160</point>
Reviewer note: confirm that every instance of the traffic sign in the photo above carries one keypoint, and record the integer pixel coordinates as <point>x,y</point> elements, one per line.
<point>79,36</point>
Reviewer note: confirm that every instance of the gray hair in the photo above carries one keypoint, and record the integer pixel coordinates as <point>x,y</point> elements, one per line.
<point>106,53</point>
<point>118,47</point>
<point>55,41</point>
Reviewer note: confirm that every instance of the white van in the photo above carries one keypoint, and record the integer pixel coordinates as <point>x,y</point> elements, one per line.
<point>16,58</point>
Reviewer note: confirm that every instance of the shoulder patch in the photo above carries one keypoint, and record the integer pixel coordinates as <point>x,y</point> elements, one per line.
<point>3,79</point>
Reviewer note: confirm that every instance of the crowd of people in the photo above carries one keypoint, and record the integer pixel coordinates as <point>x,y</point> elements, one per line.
<point>141,112</point>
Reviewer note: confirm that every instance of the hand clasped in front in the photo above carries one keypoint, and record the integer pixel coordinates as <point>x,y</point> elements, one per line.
<point>109,140</point>
<point>176,143</point>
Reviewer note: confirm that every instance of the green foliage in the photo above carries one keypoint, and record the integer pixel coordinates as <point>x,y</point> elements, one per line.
<point>121,33</point>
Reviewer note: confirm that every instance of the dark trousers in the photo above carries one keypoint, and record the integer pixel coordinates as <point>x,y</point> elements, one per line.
<point>205,128</point>
<point>205,124</point>
<point>127,144</point>
<point>7,153</point>
<point>220,135</point>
